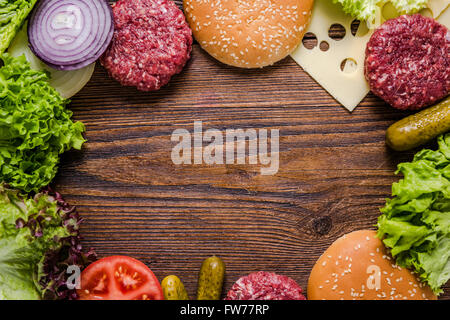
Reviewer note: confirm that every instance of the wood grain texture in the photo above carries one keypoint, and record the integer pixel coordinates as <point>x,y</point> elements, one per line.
<point>335,171</point>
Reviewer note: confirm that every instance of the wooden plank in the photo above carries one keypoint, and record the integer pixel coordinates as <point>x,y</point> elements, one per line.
<point>335,171</point>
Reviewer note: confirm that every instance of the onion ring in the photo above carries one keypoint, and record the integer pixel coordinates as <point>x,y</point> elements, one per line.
<point>70,34</point>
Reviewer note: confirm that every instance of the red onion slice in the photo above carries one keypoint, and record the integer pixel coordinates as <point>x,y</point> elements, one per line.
<point>70,34</point>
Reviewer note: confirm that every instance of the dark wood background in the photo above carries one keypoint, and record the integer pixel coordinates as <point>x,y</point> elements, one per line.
<point>335,171</point>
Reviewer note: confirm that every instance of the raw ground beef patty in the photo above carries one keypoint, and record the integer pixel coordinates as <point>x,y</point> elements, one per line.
<point>408,62</point>
<point>152,42</point>
<point>265,286</point>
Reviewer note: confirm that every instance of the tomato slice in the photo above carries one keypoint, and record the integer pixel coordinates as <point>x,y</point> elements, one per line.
<point>119,278</point>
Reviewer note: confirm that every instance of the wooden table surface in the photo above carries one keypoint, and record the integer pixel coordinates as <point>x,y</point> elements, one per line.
<point>335,171</point>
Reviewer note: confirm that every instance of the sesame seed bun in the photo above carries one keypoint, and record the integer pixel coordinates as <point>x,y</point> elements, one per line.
<point>248,34</point>
<point>351,267</point>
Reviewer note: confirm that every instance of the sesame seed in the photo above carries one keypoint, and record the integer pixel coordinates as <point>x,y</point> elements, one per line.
<point>274,24</point>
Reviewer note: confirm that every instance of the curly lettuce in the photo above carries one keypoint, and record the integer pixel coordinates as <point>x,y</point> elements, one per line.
<point>367,9</point>
<point>415,225</point>
<point>35,126</point>
<point>12,15</point>
<point>39,239</point>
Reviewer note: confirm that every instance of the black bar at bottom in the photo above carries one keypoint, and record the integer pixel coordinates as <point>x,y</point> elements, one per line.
<point>202,310</point>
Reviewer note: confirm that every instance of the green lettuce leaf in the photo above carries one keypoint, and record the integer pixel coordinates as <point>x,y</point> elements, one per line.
<point>39,238</point>
<point>12,15</point>
<point>367,9</point>
<point>35,126</point>
<point>415,224</point>
<point>409,6</point>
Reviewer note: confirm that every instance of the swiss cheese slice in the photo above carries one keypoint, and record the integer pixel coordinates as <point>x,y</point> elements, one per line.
<point>437,7</point>
<point>348,84</point>
<point>350,87</point>
<point>444,15</point>
<point>444,18</point>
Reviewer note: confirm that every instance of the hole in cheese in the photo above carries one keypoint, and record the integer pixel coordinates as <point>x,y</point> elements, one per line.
<point>389,12</point>
<point>349,65</point>
<point>310,41</point>
<point>324,46</point>
<point>354,26</point>
<point>336,31</point>
<point>358,29</point>
<point>426,12</point>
